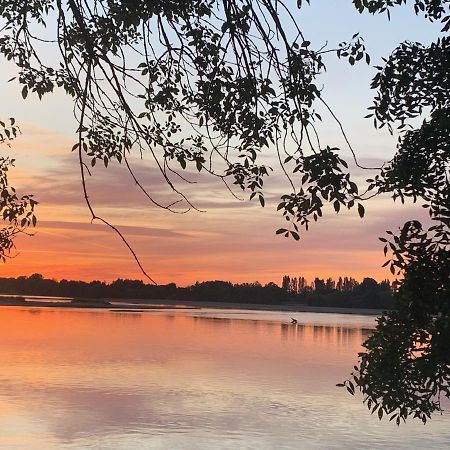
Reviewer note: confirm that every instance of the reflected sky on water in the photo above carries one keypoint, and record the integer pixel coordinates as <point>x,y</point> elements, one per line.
<point>196,379</point>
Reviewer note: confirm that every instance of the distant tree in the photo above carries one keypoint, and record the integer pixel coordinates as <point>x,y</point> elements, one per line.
<point>319,285</point>
<point>302,284</point>
<point>349,284</point>
<point>36,277</point>
<point>286,283</point>
<point>385,285</point>
<point>330,284</point>
<point>293,287</point>
<point>368,285</point>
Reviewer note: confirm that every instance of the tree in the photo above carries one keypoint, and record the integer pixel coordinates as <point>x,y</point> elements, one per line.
<point>293,288</point>
<point>213,85</point>
<point>302,284</point>
<point>17,212</point>
<point>330,284</point>
<point>369,285</point>
<point>286,283</point>
<point>349,284</point>
<point>319,285</point>
<point>204,85</point>
<point>406,366</point>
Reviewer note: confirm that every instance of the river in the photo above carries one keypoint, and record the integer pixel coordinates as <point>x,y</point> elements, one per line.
<point>189,379</point>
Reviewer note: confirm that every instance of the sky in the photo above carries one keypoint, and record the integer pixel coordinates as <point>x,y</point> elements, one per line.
<point>231,240</point>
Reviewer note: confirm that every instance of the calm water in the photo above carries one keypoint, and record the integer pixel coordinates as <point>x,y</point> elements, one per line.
<point>194,379</point>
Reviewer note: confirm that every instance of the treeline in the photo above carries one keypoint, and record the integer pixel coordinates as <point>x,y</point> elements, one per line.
<point>136,289</point>
<point>298,285</point>
<point>345,292</point>
<point>132,289</point>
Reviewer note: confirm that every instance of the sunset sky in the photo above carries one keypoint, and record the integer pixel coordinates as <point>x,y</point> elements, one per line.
<point>233,240</point>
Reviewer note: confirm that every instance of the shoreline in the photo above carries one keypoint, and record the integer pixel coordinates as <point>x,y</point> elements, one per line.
<point>143,305</point>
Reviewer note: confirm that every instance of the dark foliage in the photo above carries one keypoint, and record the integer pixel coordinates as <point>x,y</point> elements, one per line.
<point>362,296</point>
<point>405,369</point>
<point>16,212</point>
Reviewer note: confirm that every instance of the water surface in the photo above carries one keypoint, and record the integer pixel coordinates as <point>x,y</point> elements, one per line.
<point>190,379</point>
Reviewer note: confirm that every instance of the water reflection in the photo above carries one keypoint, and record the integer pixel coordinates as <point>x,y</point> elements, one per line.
<point>165,380</point>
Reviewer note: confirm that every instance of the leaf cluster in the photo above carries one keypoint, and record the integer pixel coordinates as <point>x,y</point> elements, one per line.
<point>208,85</point>
<point>406,368</point>
<point>17,212</point>
<point>323,180</point>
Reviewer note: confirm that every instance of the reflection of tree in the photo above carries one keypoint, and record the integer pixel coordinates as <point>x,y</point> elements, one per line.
<point>343,336</point>
<point>214,322</point>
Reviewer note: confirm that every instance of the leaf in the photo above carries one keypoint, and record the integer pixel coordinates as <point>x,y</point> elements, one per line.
<point>295,235</point>
<point>24,92</point>
<point>337,205</point>
<point>361,210</point>
<point>261,200</point>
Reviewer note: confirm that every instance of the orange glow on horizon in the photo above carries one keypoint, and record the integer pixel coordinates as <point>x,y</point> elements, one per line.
<point>99,255</point>
<point>232,241</point>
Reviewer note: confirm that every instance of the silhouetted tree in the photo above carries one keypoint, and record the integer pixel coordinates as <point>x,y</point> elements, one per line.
<point>302,284</point>
<point>368,285</point>
<point>286,283</point>
<point>17,212</point>
<point>319,285</point>
<point>406,367</point>
<point>330,284</point>
<point>349,284</point>
<point>293,288</point>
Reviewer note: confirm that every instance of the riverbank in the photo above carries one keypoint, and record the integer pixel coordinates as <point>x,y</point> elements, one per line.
<point>142,304</point>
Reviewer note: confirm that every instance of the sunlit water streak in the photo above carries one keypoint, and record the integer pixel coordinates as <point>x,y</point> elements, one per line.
<point>193,379</point>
